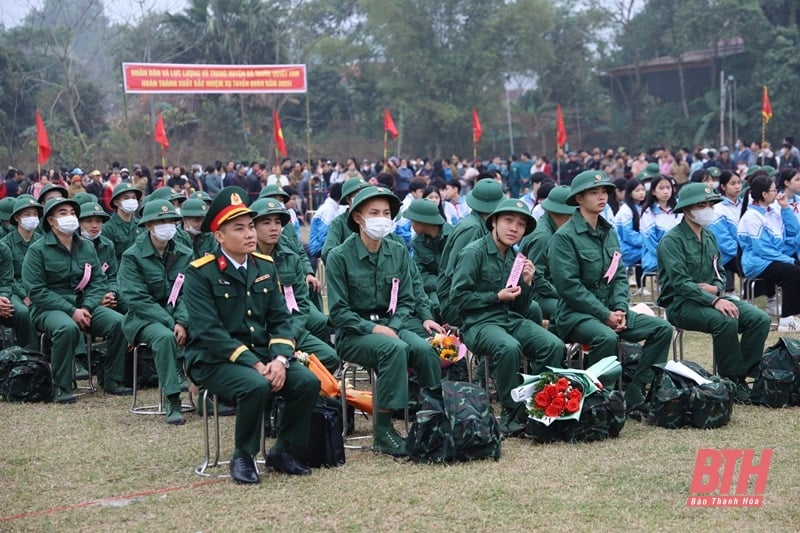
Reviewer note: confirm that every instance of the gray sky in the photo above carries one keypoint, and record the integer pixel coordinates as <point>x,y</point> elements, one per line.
<point>13,11</point>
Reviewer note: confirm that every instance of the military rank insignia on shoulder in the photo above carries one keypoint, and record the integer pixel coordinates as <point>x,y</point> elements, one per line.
<point>264,257</point>
<point>202,261</point>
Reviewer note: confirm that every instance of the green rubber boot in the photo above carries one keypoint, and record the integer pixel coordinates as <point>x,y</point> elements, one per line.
<point>174,414</point>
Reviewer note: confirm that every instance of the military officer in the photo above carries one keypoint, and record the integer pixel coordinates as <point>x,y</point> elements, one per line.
<point>692,280</point>
<point>122,229</point>
<point>24,221</point>
<point>496,308</point>
<point>67,286</point>
<point>585,263</point>
<point>371,297</point>
<point>244,349</point>
<point>482,199</point>
<point>192,211</point>
<point>431,233</point>
<point>535,245</point>
<point>269,222</point>
<point>338,231</point>
<point>91,219</point>
<point>151,275</point>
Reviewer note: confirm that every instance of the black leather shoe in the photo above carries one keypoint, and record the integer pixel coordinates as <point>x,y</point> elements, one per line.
<point>286,463</point>
<point>243,470</point>
<point>119,390</point>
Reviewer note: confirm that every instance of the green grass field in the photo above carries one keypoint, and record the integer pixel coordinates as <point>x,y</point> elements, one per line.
<point>94,466</point>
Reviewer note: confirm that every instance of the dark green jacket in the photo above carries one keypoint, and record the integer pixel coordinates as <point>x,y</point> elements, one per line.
<point>427,255</point>
<point>203,244</point>
<point>481,271</point>
<point>235,319</point>
<point>146,281</point>
<point>51,273</point>
<point>683,262</point>
<point>106,254</point>
<point>291,274</point>
<point>19,248</point>
<point>337,233</point>
<point>469,229</point>
<point>122,234</point>
<point>6,271</point>
<point>360,285</point>
<point>579,257</point>
<point>534,246</point>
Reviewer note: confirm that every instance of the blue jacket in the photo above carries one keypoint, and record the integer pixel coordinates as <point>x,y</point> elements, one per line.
<point>725,228</point>
<point>762,236</point>
<point>630,240</point>
<point>653,224</point>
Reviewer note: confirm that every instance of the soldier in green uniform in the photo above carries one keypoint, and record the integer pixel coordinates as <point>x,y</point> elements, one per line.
<point>431,236</point>
<point>122,229</point>
<point>495,308</point>
<point>24,220</point>
<point>6,207</point>
<point>67,286</point>
<point>338,230</point>
<point>692,281</point>
<point>51,190</point>
<point>482,199</point>
<point>199,195</point>
<point>91,220</point>
<point>151,275</point>
<point>585,263</point>
<point>371,297</point>
<point>269,222</point>
<point>534,246</point>
<point>192,211</point>
<point>243,350</point>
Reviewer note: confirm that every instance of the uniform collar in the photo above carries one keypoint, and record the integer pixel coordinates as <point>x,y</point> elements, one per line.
<point>582,226</point>
<point>149,250</point>
<point>363,253</point>
<point>51,240</point>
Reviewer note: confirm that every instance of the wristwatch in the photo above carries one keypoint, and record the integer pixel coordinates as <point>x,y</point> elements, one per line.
<point>284,361</point>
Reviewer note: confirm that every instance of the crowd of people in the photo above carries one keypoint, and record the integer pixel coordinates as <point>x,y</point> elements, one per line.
<point>208,268</point>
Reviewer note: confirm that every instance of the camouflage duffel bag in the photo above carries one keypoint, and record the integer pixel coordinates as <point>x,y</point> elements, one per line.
<point>677,401</point>
<point>602,416</point>
<point>454,423</point>
<point>25,376</point>
<point>778,381</point>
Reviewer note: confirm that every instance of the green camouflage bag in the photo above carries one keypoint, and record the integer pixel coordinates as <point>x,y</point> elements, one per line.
<point>778,382</point>
<point>602,416</point>
<point>676,401</point>
<point>25,376</point>
<point>455,423</point>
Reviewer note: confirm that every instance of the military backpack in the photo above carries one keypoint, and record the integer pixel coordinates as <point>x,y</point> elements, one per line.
<point>602,416</point>
<point>25,376</point>
<point>778,382</point>
<point>677,401</point>
<point>454,423</point>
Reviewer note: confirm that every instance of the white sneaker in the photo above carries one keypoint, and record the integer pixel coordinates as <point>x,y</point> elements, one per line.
<point>789,323</point>
<point>644,291</point>
<point>772,307</point>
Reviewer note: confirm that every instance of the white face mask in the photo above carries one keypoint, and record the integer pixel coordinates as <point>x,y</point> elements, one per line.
<point>28,223</point>
<point>178,211</point>
<point>378,227</point>
<point>165,232</point>
<point>191,230</point>
<point>703,216</point>
<point>67,224</point>
<point>129,205</point>
<point>715,185</point>
<point>86,235</point>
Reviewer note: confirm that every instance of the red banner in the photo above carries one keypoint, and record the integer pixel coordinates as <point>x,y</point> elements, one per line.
<point>42,141</point>
<point>160,133</point>
<point>477,130</point>
<point>388,124</point>
<point>161,78</point>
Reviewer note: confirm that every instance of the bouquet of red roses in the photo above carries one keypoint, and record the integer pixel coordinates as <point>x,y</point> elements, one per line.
<point>556,397</point>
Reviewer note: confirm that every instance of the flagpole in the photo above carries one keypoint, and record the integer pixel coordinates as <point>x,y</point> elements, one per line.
<point>385,144</point>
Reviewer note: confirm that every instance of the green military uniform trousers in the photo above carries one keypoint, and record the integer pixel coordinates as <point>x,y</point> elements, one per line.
<point>734,360</point>
<point>68,340</point>
<point>311,344</point>
<point>165,349</point>
<point>602,340</point>
<point>21,323</point>
<point>250,391</point>
<point>392,357</point>
<point>317,324</point>
<point>507,345</point>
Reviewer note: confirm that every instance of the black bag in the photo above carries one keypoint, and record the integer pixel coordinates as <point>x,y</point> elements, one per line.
<point>325,441</point>
<point>25,376</point>
<point>676,401</point>
<point>455,423</point>
<point>602,416</point>
<point>146,374</point>
<point>778,382</point>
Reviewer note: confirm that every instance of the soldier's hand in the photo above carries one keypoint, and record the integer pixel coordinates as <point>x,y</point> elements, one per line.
<point>109,300</point>
<point>384,330</point>
<point>509,294</point>
<point>276,374</point>
<point>710,289</point>
<point>82,317</point>
<point>528,270</point>
<point>616,320</point>
<point>180,334</point>
<point>313,283</point>
<point>727,308</point>
<point>6,307</point>
<point>431,326</point>
<point>26,301</point>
